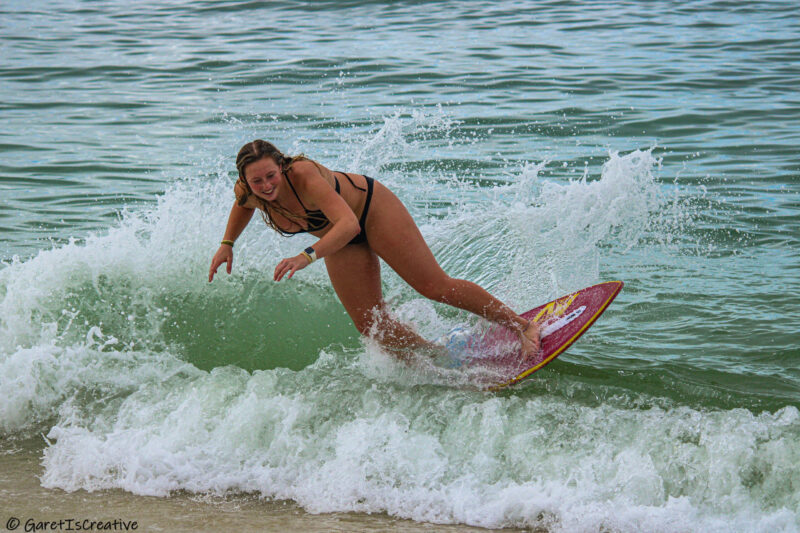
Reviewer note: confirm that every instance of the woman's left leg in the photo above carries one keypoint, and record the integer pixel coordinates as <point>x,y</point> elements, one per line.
<point>395,237</point>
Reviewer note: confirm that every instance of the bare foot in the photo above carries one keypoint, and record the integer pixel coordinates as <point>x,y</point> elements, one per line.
<point>531,340</point>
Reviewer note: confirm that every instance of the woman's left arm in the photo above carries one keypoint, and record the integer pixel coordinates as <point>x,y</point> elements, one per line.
<point>344,225</point>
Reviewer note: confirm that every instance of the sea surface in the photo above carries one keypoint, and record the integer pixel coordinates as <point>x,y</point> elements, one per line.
<point>541,147</point>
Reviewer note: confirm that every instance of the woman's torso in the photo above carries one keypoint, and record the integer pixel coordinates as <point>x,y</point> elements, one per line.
<point>351,187</point>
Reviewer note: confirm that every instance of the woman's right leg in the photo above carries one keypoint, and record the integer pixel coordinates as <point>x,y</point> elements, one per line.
<point>355,273</point>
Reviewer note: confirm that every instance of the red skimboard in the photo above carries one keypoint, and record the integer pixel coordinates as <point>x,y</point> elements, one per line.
<point>562,321</point>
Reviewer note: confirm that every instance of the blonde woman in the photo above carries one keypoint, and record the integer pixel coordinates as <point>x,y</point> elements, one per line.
<point>357,221</point>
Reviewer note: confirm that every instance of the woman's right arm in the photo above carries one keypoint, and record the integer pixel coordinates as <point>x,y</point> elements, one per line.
<point>237,221</point>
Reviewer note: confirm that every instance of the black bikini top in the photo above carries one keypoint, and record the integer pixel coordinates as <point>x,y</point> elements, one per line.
<point>316,218</point>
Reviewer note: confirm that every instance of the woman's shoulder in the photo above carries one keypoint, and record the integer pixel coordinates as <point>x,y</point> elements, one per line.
<point>304,170</point>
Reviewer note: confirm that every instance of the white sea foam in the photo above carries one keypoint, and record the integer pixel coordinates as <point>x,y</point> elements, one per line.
<point>440,455</point>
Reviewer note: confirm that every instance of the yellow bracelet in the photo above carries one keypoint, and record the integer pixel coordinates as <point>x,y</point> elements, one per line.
<point>307,257</point>
<point>229,243</point>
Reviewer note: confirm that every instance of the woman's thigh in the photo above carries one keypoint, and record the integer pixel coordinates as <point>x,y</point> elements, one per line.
<point>395,237</point>
<point>355,274</point>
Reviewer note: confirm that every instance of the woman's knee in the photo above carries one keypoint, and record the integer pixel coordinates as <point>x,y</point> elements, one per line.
<point>440,289</point>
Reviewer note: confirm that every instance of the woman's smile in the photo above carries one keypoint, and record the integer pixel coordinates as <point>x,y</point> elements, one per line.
<point>267,190</point>
<point>264,178</point>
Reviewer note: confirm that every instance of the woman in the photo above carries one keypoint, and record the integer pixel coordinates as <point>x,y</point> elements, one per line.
<point>357,221</point>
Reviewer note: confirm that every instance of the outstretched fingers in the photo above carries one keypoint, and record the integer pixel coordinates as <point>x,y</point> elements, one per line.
<point>223,255</point>
<point>289,266</point>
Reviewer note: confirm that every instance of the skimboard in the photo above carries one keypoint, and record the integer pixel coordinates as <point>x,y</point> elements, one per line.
<point>562,322</point>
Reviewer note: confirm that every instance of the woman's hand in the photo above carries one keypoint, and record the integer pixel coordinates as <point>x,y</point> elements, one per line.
<point>290,265</point>
<point>223,255</point>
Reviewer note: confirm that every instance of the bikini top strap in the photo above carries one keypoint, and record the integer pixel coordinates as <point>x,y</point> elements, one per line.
<point>351,182</point>
<point>338,190</point>
<point>335,179</point>
<point>286,175</point>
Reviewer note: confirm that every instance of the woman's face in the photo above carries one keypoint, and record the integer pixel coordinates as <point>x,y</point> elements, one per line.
<point>264,178</point>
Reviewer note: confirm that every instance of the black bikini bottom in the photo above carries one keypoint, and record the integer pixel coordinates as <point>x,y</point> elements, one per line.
<point>362,236</point>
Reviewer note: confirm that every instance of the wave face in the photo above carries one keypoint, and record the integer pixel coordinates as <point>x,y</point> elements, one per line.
<point>541,150</point>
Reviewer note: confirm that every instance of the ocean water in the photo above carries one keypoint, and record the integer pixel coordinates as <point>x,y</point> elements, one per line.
<point>540,146</point>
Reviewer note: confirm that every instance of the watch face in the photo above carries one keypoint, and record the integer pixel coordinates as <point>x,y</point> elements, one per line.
<point>310,250</point>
